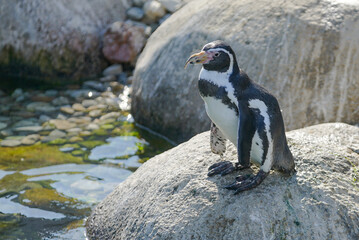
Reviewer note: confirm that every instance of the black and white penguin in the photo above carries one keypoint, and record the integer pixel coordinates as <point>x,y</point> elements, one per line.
<point>244,113</point>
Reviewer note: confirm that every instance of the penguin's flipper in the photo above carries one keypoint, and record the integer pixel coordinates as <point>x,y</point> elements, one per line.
<point>246,130</point>
<point>217,140</point>
<point>247,183</point>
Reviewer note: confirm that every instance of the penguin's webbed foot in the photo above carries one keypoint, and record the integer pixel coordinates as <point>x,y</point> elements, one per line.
<point>247,182</point>
<point>224,168</point>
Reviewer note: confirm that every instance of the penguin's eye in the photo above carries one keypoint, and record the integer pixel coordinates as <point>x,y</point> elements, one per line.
<point>216,54</point>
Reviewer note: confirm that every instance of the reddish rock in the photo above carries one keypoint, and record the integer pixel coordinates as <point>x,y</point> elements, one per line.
<point>122,42</point>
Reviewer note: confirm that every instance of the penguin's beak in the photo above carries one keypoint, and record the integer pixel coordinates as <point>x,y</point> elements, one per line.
<point>198,58</point>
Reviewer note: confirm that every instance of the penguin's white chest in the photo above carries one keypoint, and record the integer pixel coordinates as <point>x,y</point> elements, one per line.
<point>224,117</point>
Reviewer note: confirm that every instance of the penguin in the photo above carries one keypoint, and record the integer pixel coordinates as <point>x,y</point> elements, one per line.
<point>242,112</point>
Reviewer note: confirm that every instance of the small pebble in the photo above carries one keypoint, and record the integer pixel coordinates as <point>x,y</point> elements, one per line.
<point>114,69</point>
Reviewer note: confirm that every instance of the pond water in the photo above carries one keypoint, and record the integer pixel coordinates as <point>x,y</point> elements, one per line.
<point>48,190</point>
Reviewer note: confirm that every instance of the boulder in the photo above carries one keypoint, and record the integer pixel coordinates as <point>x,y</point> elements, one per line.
<point>171,197</point>
<point>303,51</point>
<point>57,39</point>
<point>122,42</point>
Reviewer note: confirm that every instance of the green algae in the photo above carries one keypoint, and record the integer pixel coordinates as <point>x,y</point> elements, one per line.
<point>108,126</point>
<point>89,144</point>
<point>35,156</point>
<point>58,141</point>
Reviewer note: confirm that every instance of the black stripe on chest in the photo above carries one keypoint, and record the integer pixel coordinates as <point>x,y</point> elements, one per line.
<point>208,89</point>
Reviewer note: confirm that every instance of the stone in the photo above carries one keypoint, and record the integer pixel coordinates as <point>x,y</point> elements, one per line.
<point>10,143</point>
<point>57,134</point>
<point>172,5</point>
<point>139,3</point>
<point>40,98</point>
<point>2,125</point>
<point>40,107</point>
<point>108,78</point>
<point>2,93</point>
<point>300,56</point>
<point>94,85</point>
<point>61,101</point>
<point>62,124</point>
<point>92,126</point>
<point>78,107</point>
<point>53,41</point>
<point>88,103</point>
<point>170,196</point>
<point>114,69</point>
<point>61,116</point>
<point>17,93</point>
<point>95,113</point>
<point>28,129</point>
<point>51,92</point>
<point>110,115</point>
<point>97,106</point>
<point>80,120</point>
<point>30,139</point>
<point>122,43</point>
<point>75,139</point>
<point>154,10</point>
<point>25,123</point>
<point>82,93</point>
<point>135,13</point>
<point>44,118</point>
<point>6,133</point>
<point>67,110</point>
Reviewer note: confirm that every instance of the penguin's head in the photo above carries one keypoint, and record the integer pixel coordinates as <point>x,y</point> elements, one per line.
<point>215,56</point>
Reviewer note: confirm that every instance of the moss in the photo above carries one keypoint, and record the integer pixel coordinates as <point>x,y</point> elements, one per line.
<point>108,126</point>
<point>42,196</point>
<point>58,141</point>
<point>89,144</point>
<point>78,152</point>
<point>15,183</point>
<point>35,156</point>
<point>100,132</point>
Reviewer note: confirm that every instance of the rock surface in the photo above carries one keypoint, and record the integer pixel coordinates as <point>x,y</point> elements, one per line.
<point>122,42</point>
<point>302,51</point>
<point>50,39</point>
<point>171,197</point>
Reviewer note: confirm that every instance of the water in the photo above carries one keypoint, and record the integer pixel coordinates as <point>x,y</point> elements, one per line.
<point>50,197</point>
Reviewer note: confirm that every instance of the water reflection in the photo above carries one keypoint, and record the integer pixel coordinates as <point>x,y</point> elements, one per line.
<point>86,182</point>
<point>9,206</point>
<point>117,147</point>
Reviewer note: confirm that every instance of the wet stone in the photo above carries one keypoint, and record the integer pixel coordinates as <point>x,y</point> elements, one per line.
<point>44,118</point>
<point>67,110</point>
<point>60,101</point>
<point>78,107</point>
<point>2,125</point>
<point>40,107</point>
<point>94,85</point>
<point>6,132</point>
<point>57,134</point>
<point>92,126</point>
<point>80,120</point>
<point>25,123</point>
<point>88,103</point>
<point>109,78</point>
<point>28,129</point>
<point>10,143</point>
<point>30,139</point>
<point>51,93</point>
<point>95,113</point>
<point>75,139</point>
<point>61,116</point>
<point>97,106</point>
<point>17,93</point>
<point>62,124</point>
<point>110,115</point>
<point>114,69</point>
<point>135,13</point>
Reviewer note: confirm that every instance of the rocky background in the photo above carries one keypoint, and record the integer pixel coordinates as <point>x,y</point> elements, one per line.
<point>303,51</point>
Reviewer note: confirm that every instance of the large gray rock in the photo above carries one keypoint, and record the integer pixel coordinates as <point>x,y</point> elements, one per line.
<point>171,197</point>
<point>55,38</point>
<point>302,51</point>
